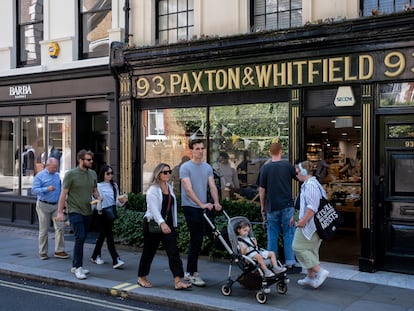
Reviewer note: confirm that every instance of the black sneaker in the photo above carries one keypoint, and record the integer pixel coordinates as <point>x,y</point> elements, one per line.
<point>293,269</point>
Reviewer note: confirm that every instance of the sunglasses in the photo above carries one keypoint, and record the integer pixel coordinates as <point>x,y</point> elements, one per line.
<point>167,172</point>
<point>109,173</point>
<point>90,159</point>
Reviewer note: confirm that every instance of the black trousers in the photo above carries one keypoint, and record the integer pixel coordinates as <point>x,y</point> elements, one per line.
<point>198,228</point>
<point>151,243</point>
<point>105,232</point>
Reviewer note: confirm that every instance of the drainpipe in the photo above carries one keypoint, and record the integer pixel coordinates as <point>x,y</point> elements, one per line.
<point>126,10</point>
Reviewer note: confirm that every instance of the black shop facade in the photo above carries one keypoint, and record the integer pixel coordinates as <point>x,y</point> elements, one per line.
<point>319,90</point>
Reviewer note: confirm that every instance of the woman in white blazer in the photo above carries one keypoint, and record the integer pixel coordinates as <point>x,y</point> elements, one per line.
<point>161,208</point>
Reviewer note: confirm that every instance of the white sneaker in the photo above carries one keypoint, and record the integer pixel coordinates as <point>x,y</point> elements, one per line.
<point>279,269</point>
<point>194,279</point>
<point>79,274</point>
<point>269,274</point>
<point>118,264</point>
<point>306,281</point>
<point>73,270</point>
<point>320,277</point>
<point>98,260</point>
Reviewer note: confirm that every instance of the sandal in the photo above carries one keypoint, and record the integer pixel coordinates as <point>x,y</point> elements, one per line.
<point>144,283</point>
<point>179,285</point>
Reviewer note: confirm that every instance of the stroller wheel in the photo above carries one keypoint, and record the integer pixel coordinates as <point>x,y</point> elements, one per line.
<point>281,288</point>
<point>261,297</point>
<point>226,290</point>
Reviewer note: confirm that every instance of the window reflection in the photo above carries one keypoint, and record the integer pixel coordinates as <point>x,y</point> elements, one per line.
<point>397,94</point>
<point>96,21</point>
<point>25,151</point>
<point>240,133</point>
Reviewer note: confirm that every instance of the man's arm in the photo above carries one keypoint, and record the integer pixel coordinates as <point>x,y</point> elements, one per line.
<point>61,204</point>
<point>214,192</point>
<point>262,193</point>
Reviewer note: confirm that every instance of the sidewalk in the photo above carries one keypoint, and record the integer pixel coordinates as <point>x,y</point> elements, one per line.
<point>345,289</point>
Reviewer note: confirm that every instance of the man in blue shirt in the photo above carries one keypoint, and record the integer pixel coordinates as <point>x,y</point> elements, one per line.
<point>47,186</point>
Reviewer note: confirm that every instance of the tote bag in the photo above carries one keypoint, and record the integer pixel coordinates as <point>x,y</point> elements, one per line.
<point>327,220</point>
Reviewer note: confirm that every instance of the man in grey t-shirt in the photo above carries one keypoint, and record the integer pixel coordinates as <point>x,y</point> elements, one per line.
<point>196,177</point>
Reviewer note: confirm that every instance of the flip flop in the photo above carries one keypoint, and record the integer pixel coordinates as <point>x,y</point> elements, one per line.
<point>145,284</point>
<point>180,285</point>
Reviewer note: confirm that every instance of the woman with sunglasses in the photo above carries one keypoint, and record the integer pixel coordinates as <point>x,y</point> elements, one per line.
<point>162,208</point>
<point>109,192</point>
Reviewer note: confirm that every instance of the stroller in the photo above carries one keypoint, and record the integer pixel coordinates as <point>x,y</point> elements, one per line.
<point>252,276</point>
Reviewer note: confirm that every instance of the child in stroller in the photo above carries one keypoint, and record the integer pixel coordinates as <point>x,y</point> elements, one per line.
<point>253,276</point>
<point>248,247</point>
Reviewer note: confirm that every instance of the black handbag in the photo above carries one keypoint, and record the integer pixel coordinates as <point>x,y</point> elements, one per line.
<point>110,213</point>
<point>154,227</point>
<point>327,220</point>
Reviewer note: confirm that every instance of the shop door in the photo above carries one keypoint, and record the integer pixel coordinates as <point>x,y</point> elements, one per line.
<point>395,193</point>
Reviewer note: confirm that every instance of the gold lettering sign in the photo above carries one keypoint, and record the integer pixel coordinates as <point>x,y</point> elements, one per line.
<point>375,66</point>
<point>409,144</point>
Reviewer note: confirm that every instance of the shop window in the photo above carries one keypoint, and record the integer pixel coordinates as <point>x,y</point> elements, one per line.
<point>95,22</point>
<point>30,32</point>
<point>243,132</point>
<point>175,20</point>
<point>375,7</point>
<point>25,151</point>
<point>275,14</point>
<point>397,94</point>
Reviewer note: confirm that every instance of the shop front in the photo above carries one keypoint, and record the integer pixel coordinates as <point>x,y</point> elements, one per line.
<point>320,91</point>
<point>42,117</point>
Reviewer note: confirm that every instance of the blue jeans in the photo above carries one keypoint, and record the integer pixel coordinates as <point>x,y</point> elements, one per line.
<point>80,225</point>
<point>274,221</point>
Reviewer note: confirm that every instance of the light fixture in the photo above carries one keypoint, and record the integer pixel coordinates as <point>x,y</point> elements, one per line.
<point>344,134</point>
<point>324,132</point>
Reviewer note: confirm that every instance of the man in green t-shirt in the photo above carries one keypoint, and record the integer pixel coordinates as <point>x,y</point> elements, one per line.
<point>79,185</point>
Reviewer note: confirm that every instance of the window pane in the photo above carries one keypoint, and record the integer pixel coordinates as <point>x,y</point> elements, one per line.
<point>30,11</point>
<point>95,5</point>
<point>11,155</point>
<point>172,21</point>
<point>182,5</point>
<point>162,22</point>
<point>183,123</point>
<point>284,20</point>
<point>95,33</point>
<point>182,19</point>
<point>397,94</point>
<point>59,146</point>
<point>172,6</point>
<point>172,36</point>
<point>182,33</point>
<point>271,6</point>
<point>245,132</point>
<point>296,4</point>
<point>96,21</point>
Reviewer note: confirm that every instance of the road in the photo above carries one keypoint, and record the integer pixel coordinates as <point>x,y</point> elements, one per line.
<point>20,294</point>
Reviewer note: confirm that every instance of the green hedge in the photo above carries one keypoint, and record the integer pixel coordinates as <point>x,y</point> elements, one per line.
<point>128,225</point>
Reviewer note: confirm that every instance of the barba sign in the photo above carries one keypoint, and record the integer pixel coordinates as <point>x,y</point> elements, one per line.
<point>20,91</point>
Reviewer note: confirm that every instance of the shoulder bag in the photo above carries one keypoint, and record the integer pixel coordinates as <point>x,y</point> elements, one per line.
<point>327,219</point>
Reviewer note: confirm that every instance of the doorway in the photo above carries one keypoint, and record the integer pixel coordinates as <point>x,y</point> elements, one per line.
<point>395,200</point>
<point>338,138</point>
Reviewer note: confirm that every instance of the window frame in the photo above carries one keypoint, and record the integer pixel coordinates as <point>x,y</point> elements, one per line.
<point>81,27</point>
<point>253,25</point>
<point>369,11</point>
<point>21,38</point>
<point>189,28</point>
